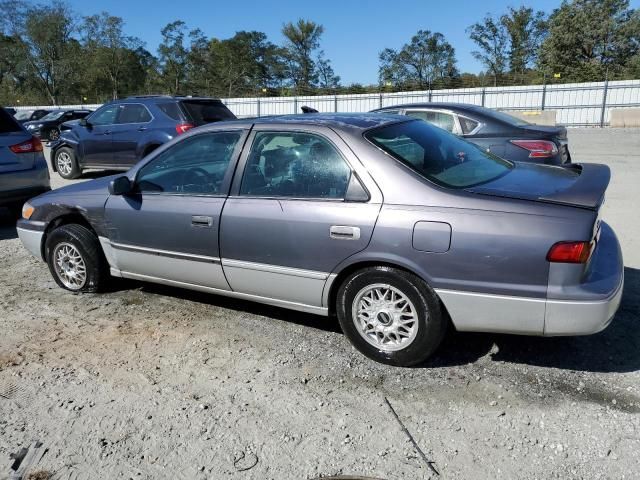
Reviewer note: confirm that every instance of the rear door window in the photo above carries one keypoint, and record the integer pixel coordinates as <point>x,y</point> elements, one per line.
<point>439,119</point>
<point>7,123</point>
<point>133,113</point>
<point>201,112</point>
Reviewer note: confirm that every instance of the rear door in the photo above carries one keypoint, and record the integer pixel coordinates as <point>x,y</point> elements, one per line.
<point>96,137</point>
<point>12,134</point>
<point>167,230</point>
<point>288,223</point>
<point>132,121</point>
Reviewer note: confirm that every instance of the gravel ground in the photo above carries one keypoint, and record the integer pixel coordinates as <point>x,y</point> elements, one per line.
<point>155,382</point>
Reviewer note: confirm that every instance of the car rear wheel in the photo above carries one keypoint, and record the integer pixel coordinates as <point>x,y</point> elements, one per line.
<point>66,164</point>
<point>390,315</point>
<point>75,259</point>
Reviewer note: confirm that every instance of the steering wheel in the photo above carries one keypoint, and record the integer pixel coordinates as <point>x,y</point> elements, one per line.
<point>196,176</point>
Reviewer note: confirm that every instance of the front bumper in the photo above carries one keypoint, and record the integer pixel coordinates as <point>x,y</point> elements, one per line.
<point>590,306</point>
<point>30,234</point>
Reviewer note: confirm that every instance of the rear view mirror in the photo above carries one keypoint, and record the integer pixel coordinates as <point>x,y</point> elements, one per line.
<point>120,186</point>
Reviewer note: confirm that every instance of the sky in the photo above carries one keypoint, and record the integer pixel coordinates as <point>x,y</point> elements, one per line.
<point>355,31</point>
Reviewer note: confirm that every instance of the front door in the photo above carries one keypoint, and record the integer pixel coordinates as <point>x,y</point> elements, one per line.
<point>288,224</point>
<point>95,138</point>
<point>167,230</point>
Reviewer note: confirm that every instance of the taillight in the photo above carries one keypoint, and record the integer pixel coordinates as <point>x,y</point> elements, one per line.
<point>537,148</point>
<point>30,146</point>
<point>183,127</point>
<point>569,252</point>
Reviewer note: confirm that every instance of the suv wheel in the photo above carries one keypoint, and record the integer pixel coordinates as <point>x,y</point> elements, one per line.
<point>75,259</point>
<point>66,164</point>
<point>54,134</point>
<point>390,315</point>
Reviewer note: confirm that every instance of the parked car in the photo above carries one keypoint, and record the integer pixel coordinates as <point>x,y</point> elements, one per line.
<point>10,111</point>
<point>23,116</point>
<point>497,132</point>
<point>49,126</point>
<point>393,224</point>
<point>23,169</point>
<point>120,133</point>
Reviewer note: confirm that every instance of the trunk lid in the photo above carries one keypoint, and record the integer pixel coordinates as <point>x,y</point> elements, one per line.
<point>11,133</point>
<point>546,131</point>
<point>581,185</point>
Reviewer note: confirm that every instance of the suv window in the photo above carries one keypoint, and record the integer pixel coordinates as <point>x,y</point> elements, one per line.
<point>133,113</point>
<point>467,124</point>
<point>201,112</point>
<point>197,165</point>
<point>7,123</point>
<point>171,110</point>
<point>105,115</point>
<point>296,165</point>
<point>439,119</point>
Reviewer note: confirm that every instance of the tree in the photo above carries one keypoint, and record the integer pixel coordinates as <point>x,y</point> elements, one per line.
<point>525,30</point>
<point>606,42</point>
<point>327,78</point>
<point>427,58</point>
<point>109,49</point>
<point>491,37</point>
<point>303,38</point>
<point>173,56</point>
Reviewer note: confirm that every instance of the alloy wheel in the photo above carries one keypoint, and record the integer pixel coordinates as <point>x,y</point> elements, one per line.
<point>69,266</point>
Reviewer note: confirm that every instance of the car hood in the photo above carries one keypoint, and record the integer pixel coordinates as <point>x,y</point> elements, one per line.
<point>99,186</point>
<point>38,122</point>
<point>581,185</point>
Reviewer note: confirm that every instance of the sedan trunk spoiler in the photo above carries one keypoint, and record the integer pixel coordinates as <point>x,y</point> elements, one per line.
<point>587,191</point>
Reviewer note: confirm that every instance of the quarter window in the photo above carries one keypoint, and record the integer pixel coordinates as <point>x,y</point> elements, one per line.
<point>196,165</point>
<point>296,165</point>
<point>439,119</point>
<point>467,125</point>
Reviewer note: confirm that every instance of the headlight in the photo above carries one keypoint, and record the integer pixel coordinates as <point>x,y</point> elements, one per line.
<point>27,211</point>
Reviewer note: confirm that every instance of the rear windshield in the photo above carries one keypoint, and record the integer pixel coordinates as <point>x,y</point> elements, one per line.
<point>201,112</point>
<point>53,115</point>
<point>505,117</point>
<point>438,155</point>
<point>7,123</point>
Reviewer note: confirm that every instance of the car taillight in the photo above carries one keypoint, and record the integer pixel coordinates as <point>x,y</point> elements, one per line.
<point>183,127</point>
<point>537,148</point>
<point>30,146</point>
<point>569,252</point>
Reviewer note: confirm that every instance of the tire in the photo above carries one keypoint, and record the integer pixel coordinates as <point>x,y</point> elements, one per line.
<point>81,248</point>
<point>66,164</point>
<point>424,321</point>
<point>54,134</point>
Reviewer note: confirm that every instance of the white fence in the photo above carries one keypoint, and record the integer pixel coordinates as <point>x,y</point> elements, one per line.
<point>576,104</point>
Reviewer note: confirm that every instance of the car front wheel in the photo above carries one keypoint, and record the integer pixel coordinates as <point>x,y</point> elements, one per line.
<point>66,164</point>
<point>390,315</point>
<point>54,134</point>
<point>75,259</point>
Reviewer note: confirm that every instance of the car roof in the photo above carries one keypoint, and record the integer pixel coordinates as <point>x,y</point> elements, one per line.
<point>337,121</point>
<point>456,107</point>
<point>153,98</point>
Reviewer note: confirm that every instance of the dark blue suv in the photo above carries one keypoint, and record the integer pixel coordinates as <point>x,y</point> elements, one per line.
<point>122,132</point>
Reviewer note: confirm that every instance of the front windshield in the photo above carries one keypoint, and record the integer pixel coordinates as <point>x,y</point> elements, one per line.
<point>23,114</point>
<point>438,155</point>
<point>52,115</point>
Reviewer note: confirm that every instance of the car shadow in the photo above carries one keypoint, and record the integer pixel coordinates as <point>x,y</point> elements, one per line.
<point>616,349</point>
<point>7,224</point>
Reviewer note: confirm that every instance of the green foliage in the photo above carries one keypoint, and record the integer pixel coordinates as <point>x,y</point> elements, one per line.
<point>491,37</point>
<point>426,60</point>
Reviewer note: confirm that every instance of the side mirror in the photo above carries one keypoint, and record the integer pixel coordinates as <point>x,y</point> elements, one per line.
<point>83,123</point>
<point>120,186</point>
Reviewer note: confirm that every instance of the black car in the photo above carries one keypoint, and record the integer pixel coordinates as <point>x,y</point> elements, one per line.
<point>48,127</point>
<point>23,116</point>
<point>497,132</point>
<point>121,132</point>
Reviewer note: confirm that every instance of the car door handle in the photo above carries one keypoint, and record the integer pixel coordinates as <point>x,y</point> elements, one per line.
<point>142,129</point>
<point>202,221</point>
<point>343,232</point>
<point>107,132</point>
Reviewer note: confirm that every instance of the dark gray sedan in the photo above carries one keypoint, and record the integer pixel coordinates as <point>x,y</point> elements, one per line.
<point>396,226</point>
<point>497,132</point>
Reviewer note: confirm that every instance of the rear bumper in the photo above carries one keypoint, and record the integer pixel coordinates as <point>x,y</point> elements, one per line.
<point>21,185</point>
<point>590,306</point>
